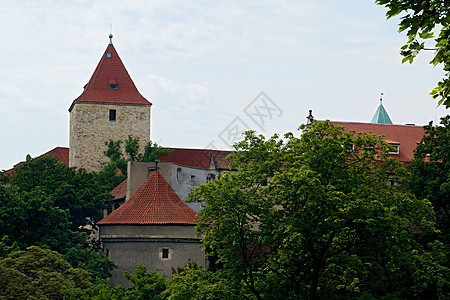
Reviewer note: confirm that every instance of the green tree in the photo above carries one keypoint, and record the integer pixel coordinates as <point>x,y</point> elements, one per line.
<point>315,216</point>
<point>31,218</point>
<point>421,20</point>
<point>74,190</point>
<point>196,283</point>
<point>430,172</point>
<point>38,274</point>
<point>5,248</point>
<point>95,262</point>
<point>118,161</point>
<point>144,286</point>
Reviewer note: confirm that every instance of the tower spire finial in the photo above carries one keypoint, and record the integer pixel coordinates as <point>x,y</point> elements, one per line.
<point>310,118</point>
<point>110,34</point>
<point>381,97</point>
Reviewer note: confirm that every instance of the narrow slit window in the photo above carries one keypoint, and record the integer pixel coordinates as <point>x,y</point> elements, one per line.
<point>165,253</point>
<point>112,114</point>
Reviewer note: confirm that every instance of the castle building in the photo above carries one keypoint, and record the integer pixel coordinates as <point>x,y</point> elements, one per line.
<point>110,107</point>
<point>148,221</point>
<point>153,227</point>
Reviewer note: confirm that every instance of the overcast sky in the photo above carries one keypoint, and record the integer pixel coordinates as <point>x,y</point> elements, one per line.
<point>203,65</point>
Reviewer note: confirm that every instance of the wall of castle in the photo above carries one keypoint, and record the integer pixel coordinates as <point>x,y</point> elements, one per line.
<point>90,127</point>
<point>147,231</point>
<point>162,248</point>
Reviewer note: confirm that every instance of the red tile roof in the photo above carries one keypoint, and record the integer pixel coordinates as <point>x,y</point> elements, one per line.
<point>110,69</point>
<point>155,202</point>
<point>406,136</point>
<point>195,158</point>
<point>120,191</point>
<point>61,153</point>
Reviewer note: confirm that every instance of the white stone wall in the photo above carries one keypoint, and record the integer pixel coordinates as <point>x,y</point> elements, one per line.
<point>90,127</point>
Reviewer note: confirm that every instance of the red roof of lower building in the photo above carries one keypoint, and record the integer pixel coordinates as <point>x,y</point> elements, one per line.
<point>406,137</point>
<point>120,191</point>
<point>154,203</point>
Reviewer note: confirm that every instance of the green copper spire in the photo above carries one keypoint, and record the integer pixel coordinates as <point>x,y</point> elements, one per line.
<point>110,38</point>
<point>381,116</point>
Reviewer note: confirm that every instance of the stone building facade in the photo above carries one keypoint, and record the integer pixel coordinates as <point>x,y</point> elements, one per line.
<point>90,127</point>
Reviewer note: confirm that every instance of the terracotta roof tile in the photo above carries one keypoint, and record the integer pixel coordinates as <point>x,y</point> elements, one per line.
<point>111,70</point>
<point>120,191</point>
<point>155,202</point>
<point>195,158</point>
<point>62,153</point>
<point>406,136</point>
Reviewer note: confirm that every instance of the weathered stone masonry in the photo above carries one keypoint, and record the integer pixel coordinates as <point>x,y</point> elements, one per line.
<point>90,127</point>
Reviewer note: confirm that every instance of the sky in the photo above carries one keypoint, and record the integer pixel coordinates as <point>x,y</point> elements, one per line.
<point>212,69</point>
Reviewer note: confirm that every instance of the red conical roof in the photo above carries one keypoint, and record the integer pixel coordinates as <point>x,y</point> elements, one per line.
<point>111,83</point>
<point>155,202</point>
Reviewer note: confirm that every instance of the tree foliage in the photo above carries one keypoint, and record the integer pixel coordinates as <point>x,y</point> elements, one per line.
<point>430,172</point>
<point>118,161</point>
<point>73,190</point>
<point>143,286</point>
<point>95,262</point>
<point>194,282</point>
<point>38,274</point>
<point>421,20</point>
<point>315,216</point>
<point>45,203</point>
<point>31,218</point>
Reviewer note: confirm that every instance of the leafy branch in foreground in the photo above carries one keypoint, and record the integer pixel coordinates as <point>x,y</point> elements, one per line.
<point>421,20</point>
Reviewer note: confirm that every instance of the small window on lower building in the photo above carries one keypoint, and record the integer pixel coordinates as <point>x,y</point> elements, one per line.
<point>112,114</point>
<point>165,253</point>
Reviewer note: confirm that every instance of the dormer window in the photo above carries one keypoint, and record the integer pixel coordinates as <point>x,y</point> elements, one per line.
<point>112,84</point>
<point>396,149</point>
<point>108,55</point>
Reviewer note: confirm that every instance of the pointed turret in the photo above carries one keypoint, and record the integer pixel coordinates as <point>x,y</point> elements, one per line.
<point>381,116</point>
<point>111,83</point>
<point>154,203</point>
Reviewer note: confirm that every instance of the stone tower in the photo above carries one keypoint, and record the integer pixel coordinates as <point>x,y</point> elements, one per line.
<point>110,107</point>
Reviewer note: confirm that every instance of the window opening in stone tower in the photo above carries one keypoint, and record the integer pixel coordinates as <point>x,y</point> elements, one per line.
<point>112,114</point>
